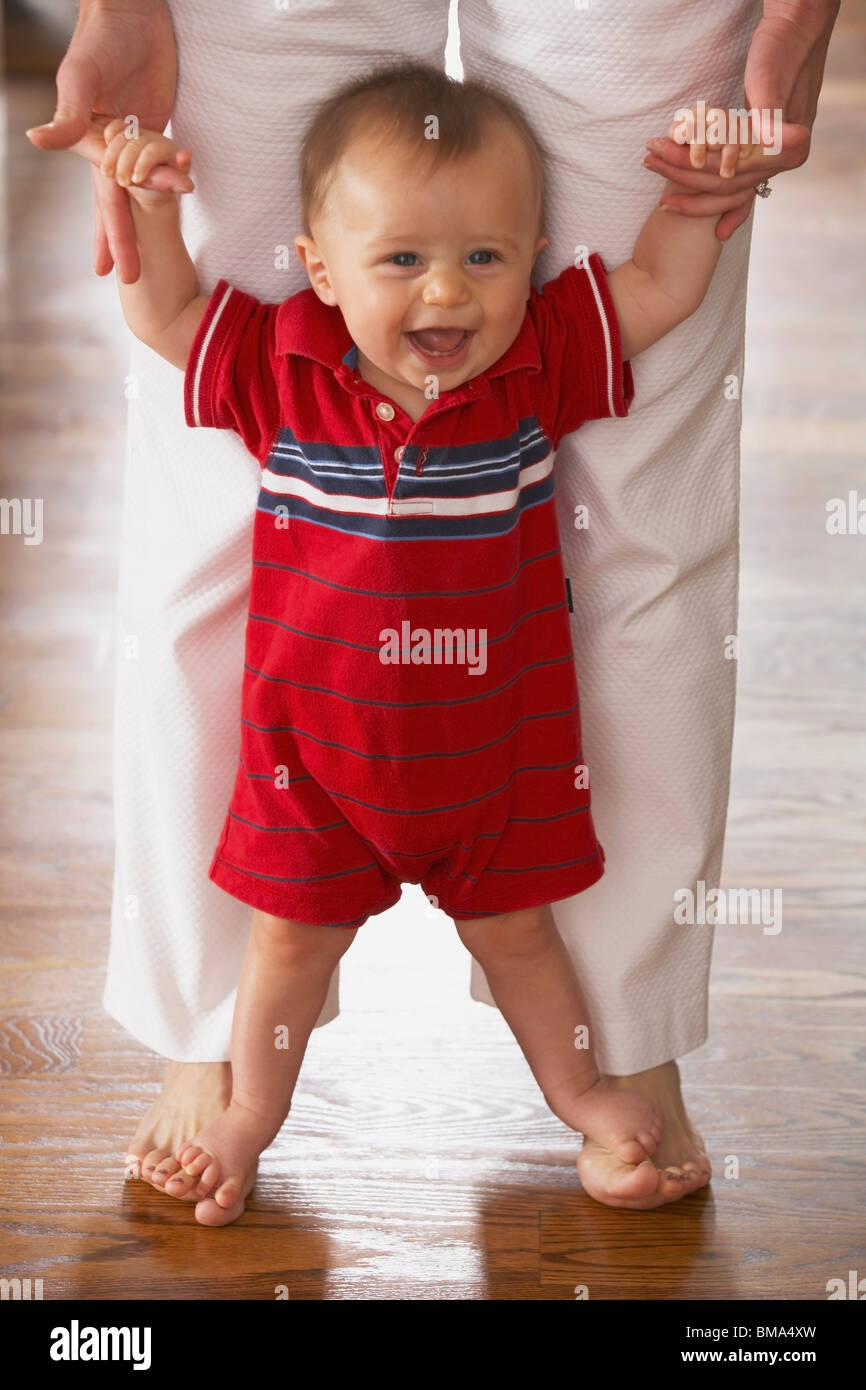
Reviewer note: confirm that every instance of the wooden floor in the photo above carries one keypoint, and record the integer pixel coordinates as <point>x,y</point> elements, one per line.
<point>420,1161</point>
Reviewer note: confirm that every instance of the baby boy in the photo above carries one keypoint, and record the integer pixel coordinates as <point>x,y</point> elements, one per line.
<point>410,704</point>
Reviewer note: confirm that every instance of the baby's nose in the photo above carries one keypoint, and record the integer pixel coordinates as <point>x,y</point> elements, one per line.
<point>446,285</point>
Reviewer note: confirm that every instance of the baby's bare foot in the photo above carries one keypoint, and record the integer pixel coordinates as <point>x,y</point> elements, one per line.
<point>220,1164</point>
<point>193,1094</point>
<point>680,1165</point>
<point>624,1122</point>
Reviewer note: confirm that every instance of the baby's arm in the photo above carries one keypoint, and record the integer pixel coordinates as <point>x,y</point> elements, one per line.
<point>665,281</point>
<point>164,306</point>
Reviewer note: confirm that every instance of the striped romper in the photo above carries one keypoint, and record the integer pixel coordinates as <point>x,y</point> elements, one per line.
<point>409,702</point>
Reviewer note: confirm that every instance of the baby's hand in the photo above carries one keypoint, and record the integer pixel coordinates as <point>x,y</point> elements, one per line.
<point>117,146</point>
<point>706,127</point>
<point>144,161</point>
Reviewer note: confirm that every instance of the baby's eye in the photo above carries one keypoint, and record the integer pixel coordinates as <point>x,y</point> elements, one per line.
<point>402,257</point>
<point>491,254</point>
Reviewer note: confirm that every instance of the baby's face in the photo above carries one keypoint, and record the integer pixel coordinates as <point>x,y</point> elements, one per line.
<point>404,249</point>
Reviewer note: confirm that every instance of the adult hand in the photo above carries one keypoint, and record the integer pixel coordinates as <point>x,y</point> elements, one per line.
<point>121,61</point>
<point>784,70</point>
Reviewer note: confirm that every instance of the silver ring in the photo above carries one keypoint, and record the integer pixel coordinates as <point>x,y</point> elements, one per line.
<point>763,189</point>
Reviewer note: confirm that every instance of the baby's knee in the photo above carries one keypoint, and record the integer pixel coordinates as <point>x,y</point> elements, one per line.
<point>509,933</point>
<point>283,940</point>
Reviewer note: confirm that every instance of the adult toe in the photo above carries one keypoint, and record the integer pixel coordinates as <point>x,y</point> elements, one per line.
<point>166,1169</point>
<point>151,1162</point>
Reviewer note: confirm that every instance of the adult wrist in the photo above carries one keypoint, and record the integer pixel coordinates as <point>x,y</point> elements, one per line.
<point>813,17</point>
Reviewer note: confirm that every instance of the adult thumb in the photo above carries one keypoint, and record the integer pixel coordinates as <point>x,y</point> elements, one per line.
<point>78,85</point>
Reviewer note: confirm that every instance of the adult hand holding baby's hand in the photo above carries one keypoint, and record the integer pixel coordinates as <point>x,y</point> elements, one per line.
<point>144,160</point>
<point>784,71</point>
<point>121,151</point>
<point>723,184</point>
<point>121,59</point>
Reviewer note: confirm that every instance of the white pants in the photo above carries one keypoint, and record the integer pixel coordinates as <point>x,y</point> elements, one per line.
<point>653,578</point>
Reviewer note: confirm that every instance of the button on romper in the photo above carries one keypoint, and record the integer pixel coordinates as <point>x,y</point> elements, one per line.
<point>410,706</point>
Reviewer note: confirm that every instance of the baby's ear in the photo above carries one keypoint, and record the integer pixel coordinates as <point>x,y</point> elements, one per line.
<point>313,262</point>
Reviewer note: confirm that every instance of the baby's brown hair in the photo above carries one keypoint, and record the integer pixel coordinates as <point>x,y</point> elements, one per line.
<point>398,102</point>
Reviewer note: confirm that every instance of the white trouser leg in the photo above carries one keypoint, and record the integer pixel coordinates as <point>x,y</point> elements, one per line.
<point>249,75</point>
<point>654,578</point>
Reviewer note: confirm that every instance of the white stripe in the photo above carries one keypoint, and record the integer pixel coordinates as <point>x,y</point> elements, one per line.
<point>606,330</point>
<point>411,506</point>
<point>203,354</point>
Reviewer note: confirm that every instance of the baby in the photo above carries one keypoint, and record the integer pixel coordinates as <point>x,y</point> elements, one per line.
<point>410,707</point>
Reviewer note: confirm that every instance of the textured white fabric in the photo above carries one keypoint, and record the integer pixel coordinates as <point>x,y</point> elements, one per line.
<point>654,579</point>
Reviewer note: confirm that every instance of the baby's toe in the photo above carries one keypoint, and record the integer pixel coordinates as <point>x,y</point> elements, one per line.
<point>631,1151</point>
<point>649,1140</point>
<point>209,1179</point>
<point>228,1193</point>
<point>196,1163</point>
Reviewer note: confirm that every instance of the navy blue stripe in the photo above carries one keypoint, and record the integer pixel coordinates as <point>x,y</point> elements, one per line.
<point>269,776</point>
<point>533,868</point>
<point>408,757</point>
<point>331,468</point>
<point>289,829</point>
<point>466,470</point>
<point>362,647</point>
<point>408,704</point>
<point>274,878</point>
<point>496,473</point>
<point>409,854</point>
<point>309,878</point>
<point>456,805</point>
<point>473,482</point>
<point>410,593</point>
<point>409,528</point>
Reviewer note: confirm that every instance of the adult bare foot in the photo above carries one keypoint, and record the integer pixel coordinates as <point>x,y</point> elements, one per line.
<point>193,1095</point>
<point>679,1166</point>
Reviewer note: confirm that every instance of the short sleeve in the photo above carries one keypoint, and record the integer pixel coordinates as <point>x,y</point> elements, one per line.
<point>232,372</point>
<point>583,376</point>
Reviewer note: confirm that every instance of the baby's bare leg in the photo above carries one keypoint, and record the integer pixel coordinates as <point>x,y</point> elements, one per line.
<point>533,981</point>
<point>282,989</point>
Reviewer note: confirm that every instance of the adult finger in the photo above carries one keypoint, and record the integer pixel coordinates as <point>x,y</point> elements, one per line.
<point>707,180</point>
<point>116,215</point>
<point>103,261</point>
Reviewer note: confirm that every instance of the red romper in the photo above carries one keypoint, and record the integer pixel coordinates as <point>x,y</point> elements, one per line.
<point>410,704</point>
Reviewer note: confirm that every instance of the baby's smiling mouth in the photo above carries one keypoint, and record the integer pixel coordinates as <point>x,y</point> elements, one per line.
<point>442,343</point>
<point>445,340</point>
